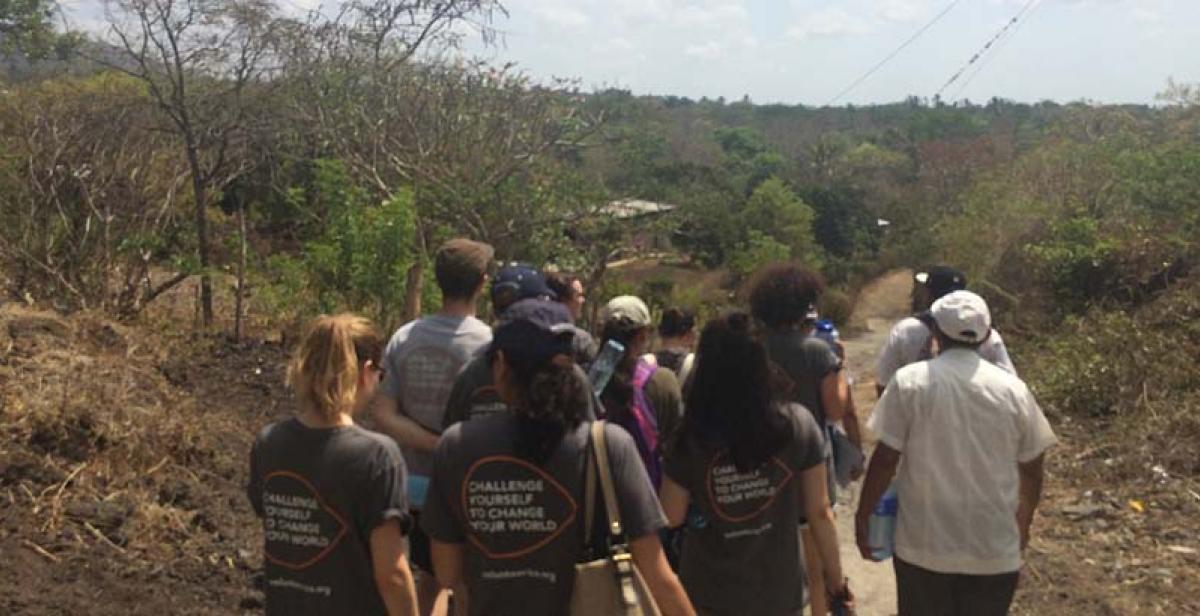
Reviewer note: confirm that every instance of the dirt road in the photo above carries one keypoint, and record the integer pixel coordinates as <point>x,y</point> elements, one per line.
<point>880,304</point>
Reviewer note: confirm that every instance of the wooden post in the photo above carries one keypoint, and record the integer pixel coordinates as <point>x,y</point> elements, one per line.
<point>241,275</point>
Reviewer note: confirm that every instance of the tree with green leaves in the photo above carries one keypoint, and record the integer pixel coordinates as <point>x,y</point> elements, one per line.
<point>28,27</point>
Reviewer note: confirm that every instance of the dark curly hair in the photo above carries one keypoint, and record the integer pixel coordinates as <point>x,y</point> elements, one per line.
<point>551,399</point>
<point>781,294</point>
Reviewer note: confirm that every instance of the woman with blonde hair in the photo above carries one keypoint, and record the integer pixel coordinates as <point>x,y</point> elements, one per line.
<point>331,495</point>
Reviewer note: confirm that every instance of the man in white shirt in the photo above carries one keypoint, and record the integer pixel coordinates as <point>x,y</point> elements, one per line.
<point>912,340</point>
<point>973,442</point>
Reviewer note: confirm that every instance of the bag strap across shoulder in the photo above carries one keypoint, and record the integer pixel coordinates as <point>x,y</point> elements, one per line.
<point>589,507</point>
<point>600,447</point>
<point>618,555</point>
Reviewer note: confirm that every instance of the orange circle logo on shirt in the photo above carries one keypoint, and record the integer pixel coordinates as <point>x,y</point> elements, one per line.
<point>738,497</point>
<point>513,508</point>
<point>300,528</point>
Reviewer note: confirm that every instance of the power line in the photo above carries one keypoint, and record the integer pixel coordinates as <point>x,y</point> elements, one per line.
<point>987,46</point>
<point>1000,47</point>
<point>894,53</point>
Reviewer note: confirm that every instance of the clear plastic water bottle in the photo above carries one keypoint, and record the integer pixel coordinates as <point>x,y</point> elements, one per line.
<point>881,529</point>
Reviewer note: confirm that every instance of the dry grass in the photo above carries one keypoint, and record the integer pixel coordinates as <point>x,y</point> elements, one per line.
<point>110,451</point>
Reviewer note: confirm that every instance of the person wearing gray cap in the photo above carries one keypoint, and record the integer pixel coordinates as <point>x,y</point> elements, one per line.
<point>641,396</point>
<point>912,340</point>
<point>973,440</point>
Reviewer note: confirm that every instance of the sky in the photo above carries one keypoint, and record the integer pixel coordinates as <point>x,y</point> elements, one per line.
<point>809,51</point>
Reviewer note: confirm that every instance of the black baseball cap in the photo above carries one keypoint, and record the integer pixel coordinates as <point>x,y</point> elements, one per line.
<point>514,282</point>
<point>942,280</point>
<point>534,331</point>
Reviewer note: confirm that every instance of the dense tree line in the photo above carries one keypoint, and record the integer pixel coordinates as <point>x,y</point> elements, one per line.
<point>319,159</point>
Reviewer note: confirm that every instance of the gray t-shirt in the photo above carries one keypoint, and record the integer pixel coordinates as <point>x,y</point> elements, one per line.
<point>521,524</point>
<point>422,360</point>
<point>320,493</point>
<point>741,555</point>
<point>806,361</point>
<point>474,394</point>
<point>584,347</point>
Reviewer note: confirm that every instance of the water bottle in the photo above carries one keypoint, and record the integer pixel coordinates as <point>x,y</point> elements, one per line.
<point>605,364</point>
<point>827,331</point>
<point>881,529</point>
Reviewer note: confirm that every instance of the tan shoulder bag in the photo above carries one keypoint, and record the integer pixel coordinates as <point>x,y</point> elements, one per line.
<point>609,586</point>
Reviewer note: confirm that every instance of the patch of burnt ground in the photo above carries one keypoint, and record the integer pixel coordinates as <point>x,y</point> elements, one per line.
<point>122,460</point>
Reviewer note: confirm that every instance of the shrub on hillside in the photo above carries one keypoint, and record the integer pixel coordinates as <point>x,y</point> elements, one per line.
<point>836,306</point>
<point>1135,369</point>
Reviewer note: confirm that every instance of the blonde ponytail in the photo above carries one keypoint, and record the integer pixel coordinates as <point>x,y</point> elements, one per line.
<point>324,371</point>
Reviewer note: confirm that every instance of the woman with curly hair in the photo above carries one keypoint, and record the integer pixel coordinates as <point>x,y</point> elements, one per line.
<point>505,508</point>
<point>783,297</point>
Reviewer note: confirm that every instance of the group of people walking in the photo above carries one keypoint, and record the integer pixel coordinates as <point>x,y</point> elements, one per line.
<point>496,461</point>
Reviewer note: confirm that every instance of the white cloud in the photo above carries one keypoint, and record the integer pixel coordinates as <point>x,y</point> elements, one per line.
<point>615,45</point>
<point>721,14</point>
<point>830,22</point>
<point>708,51</point>
<point>902,11</point>
<point>563,16</point>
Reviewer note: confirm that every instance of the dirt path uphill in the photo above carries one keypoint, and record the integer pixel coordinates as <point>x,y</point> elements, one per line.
<point>880,304</point>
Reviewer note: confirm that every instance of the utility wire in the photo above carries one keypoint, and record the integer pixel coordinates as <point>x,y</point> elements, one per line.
<point>999,47</point>
<point>987,46</point>
<point>894,53</point>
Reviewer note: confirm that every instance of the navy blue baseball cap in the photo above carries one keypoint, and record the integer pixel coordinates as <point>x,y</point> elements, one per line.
<point>514,282</point>
<point>534,331</point>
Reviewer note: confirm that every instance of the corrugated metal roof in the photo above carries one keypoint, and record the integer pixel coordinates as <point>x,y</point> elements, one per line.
<point>633,208</point>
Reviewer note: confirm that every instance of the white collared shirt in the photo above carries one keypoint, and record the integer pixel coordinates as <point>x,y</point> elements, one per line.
<point>909,338</point>
<point>961,425</point>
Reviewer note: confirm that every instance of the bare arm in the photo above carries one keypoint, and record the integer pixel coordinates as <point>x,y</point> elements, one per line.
<point>850,422</point>
<point>674,501</point>
<point>391,421</point>
<point>448,568</point>
<point>392,574</point>
<point>879,474</point>
<point>668,593</point>
<point>815,492</point>
<point>833,395</point>
<point>1031,475</point>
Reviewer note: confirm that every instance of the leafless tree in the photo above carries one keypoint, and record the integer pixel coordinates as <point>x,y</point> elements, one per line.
<point>93,198</point>
<point>200,61</point>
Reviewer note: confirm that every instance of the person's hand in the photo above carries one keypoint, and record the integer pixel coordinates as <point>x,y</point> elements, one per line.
<point>840,599</point>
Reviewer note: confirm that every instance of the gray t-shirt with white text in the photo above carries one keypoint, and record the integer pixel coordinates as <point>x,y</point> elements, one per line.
<point>474,394</point>
<point>520,523</point>
<point>741,554</point>
<point>422,360</point>
<point>320,492</point>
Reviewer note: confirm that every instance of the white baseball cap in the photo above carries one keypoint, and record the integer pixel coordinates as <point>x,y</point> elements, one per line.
<point>628,308</point>
<point>963,316</point>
